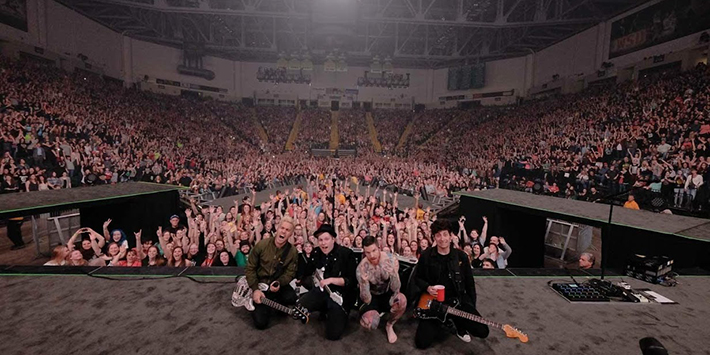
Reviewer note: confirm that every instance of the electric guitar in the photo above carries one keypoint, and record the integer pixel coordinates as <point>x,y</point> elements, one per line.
<point>430,308</point>
<point>242,297</point>
<point>335,296</point>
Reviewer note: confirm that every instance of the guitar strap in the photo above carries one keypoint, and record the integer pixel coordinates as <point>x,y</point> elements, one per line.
<point>455,275</point>
<point>280,267</point>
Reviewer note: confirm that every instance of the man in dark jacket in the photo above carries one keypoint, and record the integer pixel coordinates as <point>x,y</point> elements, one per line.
<point>273,262</point>
<point>338,265</point>
<point>448,267</point>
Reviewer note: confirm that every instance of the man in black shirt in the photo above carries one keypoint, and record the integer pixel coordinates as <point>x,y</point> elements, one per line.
<point>444,265</point>
<point>175,225</point>
<point>339,275</point>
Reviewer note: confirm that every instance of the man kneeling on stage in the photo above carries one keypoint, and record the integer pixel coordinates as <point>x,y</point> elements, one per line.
<point>378,277</point>
<point>273,262</point>
<point>334,293</point>
<point>444,265</point>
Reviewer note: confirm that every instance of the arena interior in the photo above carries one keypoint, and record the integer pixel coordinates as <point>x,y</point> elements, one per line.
<point>154,152</point>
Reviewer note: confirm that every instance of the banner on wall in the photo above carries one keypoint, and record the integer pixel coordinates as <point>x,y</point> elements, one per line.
<point>658,23</point>
<point>317,93</point>
<point>14,13</point>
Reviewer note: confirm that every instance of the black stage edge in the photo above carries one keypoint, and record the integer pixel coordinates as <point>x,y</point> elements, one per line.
<point>521,218</point>
<point>128,271</point>
<point>234,271</point>
<point>33,203</point>
<point>142,212</point>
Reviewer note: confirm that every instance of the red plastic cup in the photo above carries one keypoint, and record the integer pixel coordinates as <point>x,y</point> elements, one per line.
<point>440,292</point>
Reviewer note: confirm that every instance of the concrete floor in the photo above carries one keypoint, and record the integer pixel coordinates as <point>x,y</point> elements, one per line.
<point>70,313</point>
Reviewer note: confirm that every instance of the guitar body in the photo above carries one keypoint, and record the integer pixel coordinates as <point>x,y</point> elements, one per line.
<point>242,297</point>
<point>424,308</point>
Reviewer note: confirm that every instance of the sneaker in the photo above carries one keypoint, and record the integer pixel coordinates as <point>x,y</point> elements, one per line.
<point>465,337</point>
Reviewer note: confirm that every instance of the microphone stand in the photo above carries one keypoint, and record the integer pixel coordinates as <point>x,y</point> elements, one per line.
<point>607,199</point>
<point>332,210</point>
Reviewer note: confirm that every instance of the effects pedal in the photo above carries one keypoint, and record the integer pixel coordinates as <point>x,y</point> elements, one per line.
<point>574,292</point>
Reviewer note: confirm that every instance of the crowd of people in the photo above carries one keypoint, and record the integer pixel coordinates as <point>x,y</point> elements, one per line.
<point>429,122</point>
<point>211,236</point>
<point>390,125</point>
<point>643,136</point>
<point>277,121</point>
<point>315,129</point>
<point>61,130</point>
<point>353,129</point>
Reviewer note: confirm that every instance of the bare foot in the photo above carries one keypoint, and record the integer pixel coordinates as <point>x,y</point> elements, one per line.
<point>391,336</point>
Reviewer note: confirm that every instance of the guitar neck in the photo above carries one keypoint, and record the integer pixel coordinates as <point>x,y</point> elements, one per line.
<point>472,317</point>
<point>275,305</point>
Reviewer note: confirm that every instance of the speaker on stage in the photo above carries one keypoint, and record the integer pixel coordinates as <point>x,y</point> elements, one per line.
<point>334,105</point>
<point>419,108</point>
<point>248,101</point>
<point>367,105</point>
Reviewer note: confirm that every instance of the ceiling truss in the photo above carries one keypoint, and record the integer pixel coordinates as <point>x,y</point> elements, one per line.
<point>414,33</point>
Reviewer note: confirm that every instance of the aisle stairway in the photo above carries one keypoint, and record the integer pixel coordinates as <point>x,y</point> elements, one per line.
<point>334,136</point>
<point>294,131</point>
<point>452,122</point>
<point>259,127</point>
<point>373,132</point>
<point>407,130</point>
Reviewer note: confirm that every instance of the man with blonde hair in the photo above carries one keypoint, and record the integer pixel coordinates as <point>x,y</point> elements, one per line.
<point>273,262</point>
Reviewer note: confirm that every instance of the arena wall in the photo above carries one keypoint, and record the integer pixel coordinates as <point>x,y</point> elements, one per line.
<point>68,34</point>
<point>582,55</point>
<point>570,57</point>
<point>501,75</point>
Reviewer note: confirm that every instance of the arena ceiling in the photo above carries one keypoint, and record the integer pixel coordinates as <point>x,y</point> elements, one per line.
<point>414,33</point>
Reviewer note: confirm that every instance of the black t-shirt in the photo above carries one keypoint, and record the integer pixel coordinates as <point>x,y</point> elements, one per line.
<point>444,273</point>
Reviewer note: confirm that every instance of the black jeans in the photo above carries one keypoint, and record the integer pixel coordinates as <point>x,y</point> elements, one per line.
<point>319,301</point>
<point>262,314</point>
<point>430,330</point>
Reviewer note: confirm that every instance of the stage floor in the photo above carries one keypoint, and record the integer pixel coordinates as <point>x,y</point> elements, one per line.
<point>64,314</point>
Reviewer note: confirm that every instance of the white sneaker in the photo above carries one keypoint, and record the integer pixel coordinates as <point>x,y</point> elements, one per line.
<point>465,337</point>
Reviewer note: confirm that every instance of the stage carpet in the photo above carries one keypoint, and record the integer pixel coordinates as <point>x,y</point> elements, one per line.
<point>67,314</point>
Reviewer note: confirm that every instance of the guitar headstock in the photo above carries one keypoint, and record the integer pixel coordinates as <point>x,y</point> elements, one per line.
<point>512,332</point>
<point>301,313</point>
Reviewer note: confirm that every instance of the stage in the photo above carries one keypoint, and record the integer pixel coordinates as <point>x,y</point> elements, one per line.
<point>61,314</point>
<point>521,218</point>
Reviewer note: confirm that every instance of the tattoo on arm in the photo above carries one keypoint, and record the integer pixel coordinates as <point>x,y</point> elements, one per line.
<point>395,283</point>
<point>364,283</point>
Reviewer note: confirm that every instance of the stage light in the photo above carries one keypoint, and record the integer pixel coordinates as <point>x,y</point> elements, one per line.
<point>387,67</point>
<point>376,67</point>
